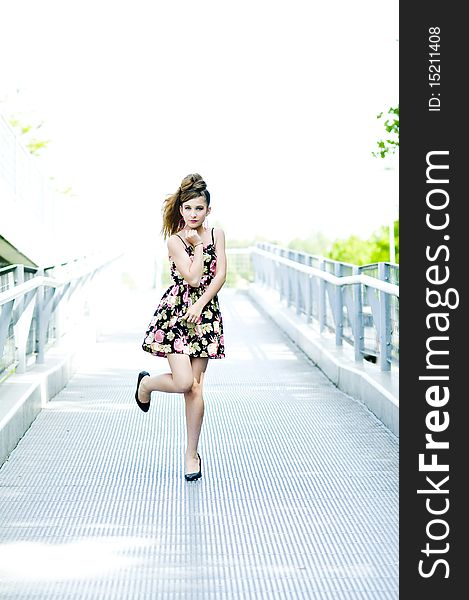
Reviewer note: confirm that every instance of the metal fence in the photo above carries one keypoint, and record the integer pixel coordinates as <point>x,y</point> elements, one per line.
<point>358,304</point>
<point>36,306</point>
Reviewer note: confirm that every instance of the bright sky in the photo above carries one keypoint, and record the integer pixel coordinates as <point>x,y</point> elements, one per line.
<point>274,103</point>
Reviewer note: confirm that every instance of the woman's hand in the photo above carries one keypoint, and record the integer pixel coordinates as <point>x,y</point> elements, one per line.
<point>193,313</point>
<point>192,237</point>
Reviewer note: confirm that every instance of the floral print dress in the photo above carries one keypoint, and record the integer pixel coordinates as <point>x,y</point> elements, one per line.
<point>167,334</point>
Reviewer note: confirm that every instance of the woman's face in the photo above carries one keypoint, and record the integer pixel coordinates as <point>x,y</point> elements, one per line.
<point>194,212</point>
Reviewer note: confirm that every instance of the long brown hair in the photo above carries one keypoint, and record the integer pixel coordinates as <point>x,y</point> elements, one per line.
<point>192,186</point>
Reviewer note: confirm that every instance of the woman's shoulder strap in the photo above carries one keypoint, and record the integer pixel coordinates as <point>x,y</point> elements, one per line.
<point>176,234</point>
<point>213,241</point>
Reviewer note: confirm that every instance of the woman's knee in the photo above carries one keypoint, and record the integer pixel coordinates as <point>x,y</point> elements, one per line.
<point>183,383</point>
<point>196,389</point>
<point>181,371</point>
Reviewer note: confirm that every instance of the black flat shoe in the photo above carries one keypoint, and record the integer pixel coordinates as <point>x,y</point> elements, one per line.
<point>194,476</point>
<point>145,406</point>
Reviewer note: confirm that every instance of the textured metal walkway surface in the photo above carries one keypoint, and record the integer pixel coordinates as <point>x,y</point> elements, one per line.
<point>298,499</point>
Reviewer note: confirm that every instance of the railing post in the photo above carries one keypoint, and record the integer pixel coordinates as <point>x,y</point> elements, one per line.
<point>271,279</point>
<point>299,285</point>
<point>290,286</point>
<point>308,298</point>
<point>291,282</point>
<point>22,323</point>
<point>338,308</point>
<point>384,321</point>
<point>21,337</point>
<point>358,329</point>
<point>281,281</point>
<point>255,267</point>
<point>5,318</point>
<point>41,321</point>
<point>18,279</point>
<point>298,276</point>
<point>59,312</point>
<point>307,293</point>
<point>322,299</point>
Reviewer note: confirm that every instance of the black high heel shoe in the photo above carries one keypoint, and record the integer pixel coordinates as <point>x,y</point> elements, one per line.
<point>145,406</point>
<point>194,476</point>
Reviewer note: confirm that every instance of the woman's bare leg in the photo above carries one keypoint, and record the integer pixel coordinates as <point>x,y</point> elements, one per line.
<point>194,413</point>
<point>178,381</point>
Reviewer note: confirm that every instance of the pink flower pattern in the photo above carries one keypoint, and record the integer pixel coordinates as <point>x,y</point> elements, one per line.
<point>159,336</point>
<point>179,345</point>
<point>167,334</point>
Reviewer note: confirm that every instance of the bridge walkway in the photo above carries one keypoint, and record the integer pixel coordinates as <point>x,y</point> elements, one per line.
<point>298,499</point>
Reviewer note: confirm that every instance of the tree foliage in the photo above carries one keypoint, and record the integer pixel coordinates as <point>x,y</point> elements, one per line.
<point>351,250</point>
<point>354,249</point>
<point>358,251</point>
<point>35,144</point>
<point>389,145</point>
<point>28,133</point>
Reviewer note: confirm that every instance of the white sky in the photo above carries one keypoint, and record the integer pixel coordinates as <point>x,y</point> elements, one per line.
<point>274,103</point>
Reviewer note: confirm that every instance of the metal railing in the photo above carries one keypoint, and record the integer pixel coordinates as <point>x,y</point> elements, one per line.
<point>358,304</point>
<point>30,303</point>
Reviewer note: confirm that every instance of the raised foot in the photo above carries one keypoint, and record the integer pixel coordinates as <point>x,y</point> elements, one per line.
<point>145,406</point>
<point>144,395</point>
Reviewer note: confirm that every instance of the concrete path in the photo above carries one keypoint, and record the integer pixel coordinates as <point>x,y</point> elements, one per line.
<point>298,499</point>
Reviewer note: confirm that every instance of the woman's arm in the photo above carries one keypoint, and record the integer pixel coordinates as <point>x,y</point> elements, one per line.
<point>215,285</point>
<point>220,276</point>
<point>190,270</point>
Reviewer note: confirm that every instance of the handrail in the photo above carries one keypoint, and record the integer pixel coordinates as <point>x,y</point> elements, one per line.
<point>38,281</point>
<point>276,248</point>
<point>22,288</point>
<point>384,286</point>
<point>10,268</point>
<point>27,307</point>
<point>359,309</point>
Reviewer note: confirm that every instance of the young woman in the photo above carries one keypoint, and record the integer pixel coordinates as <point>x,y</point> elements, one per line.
<point>187,326</point>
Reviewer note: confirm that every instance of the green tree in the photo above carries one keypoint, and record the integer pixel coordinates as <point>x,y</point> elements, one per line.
<point>389,145</point>
<point>34,144</point>
<point>380,242</point>
<point>358,251</point>
<point>352,250</point>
